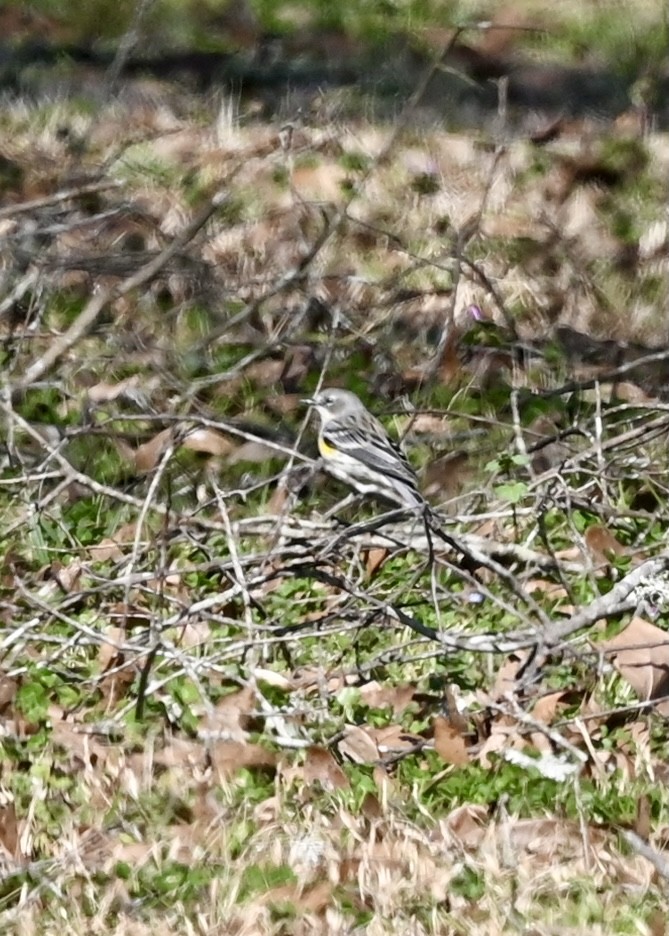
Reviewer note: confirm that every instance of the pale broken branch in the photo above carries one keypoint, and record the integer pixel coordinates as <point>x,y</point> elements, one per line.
<point>626,595</point>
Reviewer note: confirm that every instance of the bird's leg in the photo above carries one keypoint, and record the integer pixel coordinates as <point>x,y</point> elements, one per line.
<point>425,517</point>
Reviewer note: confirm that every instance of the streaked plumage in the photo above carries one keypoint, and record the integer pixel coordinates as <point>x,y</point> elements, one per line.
<point>357,450</point>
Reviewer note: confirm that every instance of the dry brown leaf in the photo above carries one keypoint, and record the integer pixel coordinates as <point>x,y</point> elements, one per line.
<point>322,182</point>
<point>106,392</point>
<point>449,743</point>
<point>631,393</point>
<point>641,738</point>
<point>230,718</point>
<point>168,582</point>
<point>371,807</point>
<point>545,838</point>
<point>206,808</point>
<point>254,452</point>
<point>109,649</point>
<point>106,549</point>
<point>315,679</point>
<point>314,899</point>
<point>68,577</point>
<point>438,425</point>
<point>608,761</point>
<point>643,823</point>
<point>456,718</point>
<point>505,679</point>
<point>488,529</point>
<point>547,588</point>
<point>501,736</point>
<point>298,361</point>
<point>8,690</point>
<point>193,634</point>
<point>276,505</point>
<point>640,653</point>
<point>465,823</point>
<point>540,742</point>
<point>286,404</point>
<point>208,441</point>
<point>602,545</point>
<point>272,678</point>
<point>383,781</point>
<point>321,767</point>
<point>374,560</point>
<point>265,373</point>
<point>546,707</point>
<point>446,477</point>
<point>181,752</point>
<point>377,695</point>
<point>135,854</point>
<point>658,923</point>
<point>393,739</point>
<point>569,554</point>
<point>9,831</point>
<point>94,847</point>
<point>552,453</point>
<point>147,456</point>
<point>228,757</point>
<point>450,365</point>
<point>358,745</point>
<point>83,748</point>
<point>110,547</point>
<point>554,592</point>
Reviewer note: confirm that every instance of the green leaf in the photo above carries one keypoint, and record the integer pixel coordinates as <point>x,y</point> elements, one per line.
<point>513,491</point>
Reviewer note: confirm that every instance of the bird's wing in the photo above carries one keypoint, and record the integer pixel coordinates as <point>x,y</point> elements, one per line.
<point>373,449</point>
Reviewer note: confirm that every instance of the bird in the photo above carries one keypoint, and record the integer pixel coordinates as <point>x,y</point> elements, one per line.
<point>357,450</point>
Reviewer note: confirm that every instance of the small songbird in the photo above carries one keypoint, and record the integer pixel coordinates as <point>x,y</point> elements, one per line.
<point>357,450</point>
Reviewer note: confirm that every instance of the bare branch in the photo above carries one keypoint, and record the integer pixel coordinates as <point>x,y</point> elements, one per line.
<point>87,318</point>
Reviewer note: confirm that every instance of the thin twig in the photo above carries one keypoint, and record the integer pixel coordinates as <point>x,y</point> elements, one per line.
<point>92,311</point>
<point>58,197</point>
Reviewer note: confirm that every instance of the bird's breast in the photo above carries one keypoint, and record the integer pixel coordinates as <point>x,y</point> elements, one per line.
<point>326,450</point>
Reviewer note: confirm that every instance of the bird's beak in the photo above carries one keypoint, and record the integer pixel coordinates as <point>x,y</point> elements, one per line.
<point>308,401</point>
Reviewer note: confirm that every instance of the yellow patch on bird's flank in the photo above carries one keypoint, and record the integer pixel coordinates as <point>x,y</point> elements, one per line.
<point>327,451</point>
